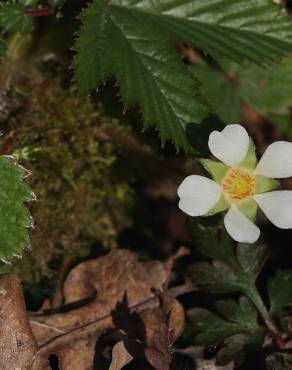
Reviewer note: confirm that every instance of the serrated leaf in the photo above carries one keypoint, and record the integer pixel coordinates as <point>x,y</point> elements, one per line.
<point>212,329</point>
<point>14,18</point>
<point>233,274</point>
<point>244,311</point>
<point>280,291</point>
<point>14,217</point>
<point>237,347</point>
<point>135,40</point>
<point>215,243</point>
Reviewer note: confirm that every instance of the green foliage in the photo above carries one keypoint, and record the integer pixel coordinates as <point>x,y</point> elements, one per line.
<point>135,40</point>
<point>280,291</point>
<point>236,275</point>
<point>237,327</point>
<point>219,92</point>
<point>14,217</point>
<point>233,270</point>
<point>14,18</point>
<point>235,318</point>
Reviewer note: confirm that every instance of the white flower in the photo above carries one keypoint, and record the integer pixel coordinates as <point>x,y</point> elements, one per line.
<point>240,184</point>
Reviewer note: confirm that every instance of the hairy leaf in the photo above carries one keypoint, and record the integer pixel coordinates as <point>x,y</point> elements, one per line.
<point>14,217</point>
<point>238,346</point>
<point>230,273</point>
<point>135,40</point>
<point>280,291</point>
<point>212,329</point>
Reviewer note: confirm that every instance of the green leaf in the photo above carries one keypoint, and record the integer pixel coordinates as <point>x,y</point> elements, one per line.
<point>230,273</point>
<point>252,258</point>
<point>220,93</point>
<point>239,346</point>
<point>146,66</point>
<point>135,40</point>
<point>212,329</point>
<point>214,243</point>
<point>267,90</point>
<point>280,291</point>
<point>14,217</point>
<point>14,18</point>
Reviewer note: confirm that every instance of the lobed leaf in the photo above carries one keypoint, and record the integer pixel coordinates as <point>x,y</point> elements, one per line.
<point>230,273</point>
<point>280,291</point>
<point>212,329</point>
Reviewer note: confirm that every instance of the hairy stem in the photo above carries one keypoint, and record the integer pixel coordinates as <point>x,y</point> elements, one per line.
<point>254,296</point>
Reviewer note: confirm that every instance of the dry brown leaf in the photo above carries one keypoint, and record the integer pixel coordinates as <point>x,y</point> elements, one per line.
<point>116,291</point>
<point>17,344</point>
<point>106,281</point>
<point>120,356</point>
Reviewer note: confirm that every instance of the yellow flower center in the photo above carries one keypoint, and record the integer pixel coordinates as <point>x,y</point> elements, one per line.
<point>238,184</point>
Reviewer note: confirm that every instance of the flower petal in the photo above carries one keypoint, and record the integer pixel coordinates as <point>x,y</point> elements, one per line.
<point>276,161</point>
<point>277,206</point>
<point>230,145</point>
<point>240,227</point>
<point>198,195</point>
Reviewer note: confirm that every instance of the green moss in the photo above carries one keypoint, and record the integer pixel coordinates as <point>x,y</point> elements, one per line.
<point>82,199</point>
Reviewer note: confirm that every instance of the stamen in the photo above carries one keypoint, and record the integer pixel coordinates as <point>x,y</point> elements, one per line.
<point>238,184</point>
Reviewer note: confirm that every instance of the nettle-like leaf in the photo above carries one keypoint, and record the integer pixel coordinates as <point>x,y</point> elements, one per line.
<point>14,18</point>
<point>135,40</point>
<point>280,291</point>
<point>14,217</point>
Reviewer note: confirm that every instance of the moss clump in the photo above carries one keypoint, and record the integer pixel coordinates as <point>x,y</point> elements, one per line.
<point>82,199</point>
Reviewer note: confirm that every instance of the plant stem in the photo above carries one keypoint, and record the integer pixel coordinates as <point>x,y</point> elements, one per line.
<point>254,296</point>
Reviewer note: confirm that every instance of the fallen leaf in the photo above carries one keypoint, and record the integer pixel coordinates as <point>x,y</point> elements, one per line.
<point>17,343</point>
<point>160,354</point>
<point>101,284</point>
<point>114,294</point>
